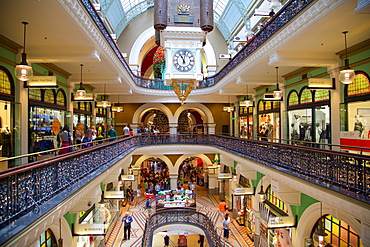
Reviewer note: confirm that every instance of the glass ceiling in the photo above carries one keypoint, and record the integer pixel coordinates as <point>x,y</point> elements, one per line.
<point>119,13</point>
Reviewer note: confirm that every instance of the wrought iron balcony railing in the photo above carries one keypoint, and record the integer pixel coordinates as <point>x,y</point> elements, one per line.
<point>181,216</point>
<point>285,15</point>
<point>29,191</point>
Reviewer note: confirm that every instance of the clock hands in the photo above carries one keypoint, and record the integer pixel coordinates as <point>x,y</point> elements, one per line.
<point>183,59</point>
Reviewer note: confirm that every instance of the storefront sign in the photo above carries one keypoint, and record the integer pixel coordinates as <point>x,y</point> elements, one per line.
<point>225,176</point>
<point>42,81</point>
<point>127,177</point>
<point>89,229</point>
<point>282,221</point>
<point>114,195</point>
<point>320,83</point>
<point>244,191</point>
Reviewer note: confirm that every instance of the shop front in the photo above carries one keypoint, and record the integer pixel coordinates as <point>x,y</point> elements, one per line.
<point>224,185</point>
<point>82,114</point>
<point>47,115</point>
<point>268,120</point>
<point>246,121</point>
<point>308,117</point>
<point>355,118</point>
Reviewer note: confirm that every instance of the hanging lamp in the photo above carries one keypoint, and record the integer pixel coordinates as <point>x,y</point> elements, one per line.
<point>81,92</point>
<point>104,103</point>
<point>23,71</point>
<point>262,195</point>
<point>277,93</point>
<point>346,74</point>
<point>118,107</point>
<point>248,102</point>
<point>320,232</point>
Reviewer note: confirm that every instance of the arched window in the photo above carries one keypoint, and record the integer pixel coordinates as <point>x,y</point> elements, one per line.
<point>321,95</point>
<point>5,85</point>
<point>293,98</point>
<point>268,105</point>
<point>49,96</point>
<point>359,86</point>
<point>339,232</point>
<point>61,98</point>
<point>35,94</point>
<point>271,197</point>
<point>47,239</point>
<point>276,104</point>
<point>260,106</point>
<point>306,96</point>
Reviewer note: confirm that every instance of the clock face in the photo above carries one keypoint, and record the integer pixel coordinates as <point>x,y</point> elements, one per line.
<point>183,60</point>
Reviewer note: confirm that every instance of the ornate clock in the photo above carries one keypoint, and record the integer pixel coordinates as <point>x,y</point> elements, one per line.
<point>183,60</point>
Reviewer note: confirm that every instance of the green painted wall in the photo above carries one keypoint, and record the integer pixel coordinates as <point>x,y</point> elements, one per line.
<point>306,201</point>
<point>255,182</point>
<point>70,218</point>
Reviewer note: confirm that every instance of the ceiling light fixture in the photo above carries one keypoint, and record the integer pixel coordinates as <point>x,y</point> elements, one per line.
<point>81,92</point>
<point>118,107</point>
<point>104,103</point>
<point>277,93</point>
<point>346,74</point>
<point>248,102</point>
<point>23,71</point>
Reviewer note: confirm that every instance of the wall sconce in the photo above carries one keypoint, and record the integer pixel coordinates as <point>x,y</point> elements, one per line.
<point>346,74</point>
<point>262,195</point>
<point>23,71</point>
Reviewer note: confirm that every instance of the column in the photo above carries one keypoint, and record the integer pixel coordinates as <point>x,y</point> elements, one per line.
<point>134,128</point>
<point>211,128</point>
<point>212,184</point>
<point>173,128</point>
<point>335,109</point>
<point>173,179</point>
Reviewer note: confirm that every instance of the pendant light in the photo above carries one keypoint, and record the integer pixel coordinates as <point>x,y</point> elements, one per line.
<point>81,92</point>
<point>23,71</point>
<point>105,103</point>
<point>320,232</point>
<point>229,108</point>
<point>248,102</point>
<point>346,74</point>
<point>262,195</point>
<point>277,93</point>
<point>118,107</point>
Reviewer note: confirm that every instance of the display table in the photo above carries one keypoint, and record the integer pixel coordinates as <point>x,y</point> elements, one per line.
<point>163,201</point>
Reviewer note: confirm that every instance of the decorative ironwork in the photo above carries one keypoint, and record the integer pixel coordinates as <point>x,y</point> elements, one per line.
<point>27,188</point>
<point>181,216</point>
<point>286,14</point>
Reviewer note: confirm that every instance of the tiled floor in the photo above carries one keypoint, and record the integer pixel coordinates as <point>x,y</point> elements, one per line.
<point>206,204</point>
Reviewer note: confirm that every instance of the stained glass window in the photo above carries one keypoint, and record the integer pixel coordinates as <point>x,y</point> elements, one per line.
<point>82,106</point>
<point>47,239</point>
<point>306,96</point>
<point>49,96</point>
<point>61,100</point>
<point>339,232</point>
<point>260,106</point>
<point>268,105</point>
<point>321,95</point>
<point>271,197</point>
<point>276,104</point>
<point>359,86</point>
<point>5,86</point>
<point>75,105</point>
<point>35,94</point>
<point>88,106</point>
<point>293,98</point>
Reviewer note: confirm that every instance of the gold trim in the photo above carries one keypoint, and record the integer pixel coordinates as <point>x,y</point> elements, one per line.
<point>9,44</point>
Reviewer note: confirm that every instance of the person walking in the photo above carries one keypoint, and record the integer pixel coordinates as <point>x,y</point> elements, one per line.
<point>112,133</point>
<point>127,220</point>
<point>138,194</point>
<point>126,131</point>
<point>226,225</point>
<point>166,241</point>
<point>66,140</point>
<point>223,208</point>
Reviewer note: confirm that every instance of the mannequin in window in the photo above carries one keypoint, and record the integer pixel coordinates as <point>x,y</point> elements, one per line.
<point>359,126</point>
<point>318,132</point>
<point>6,141</point>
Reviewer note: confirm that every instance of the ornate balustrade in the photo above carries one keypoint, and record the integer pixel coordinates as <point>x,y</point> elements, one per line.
<point>181,216</point>
<point>286,14</point>
<point>33,189</point>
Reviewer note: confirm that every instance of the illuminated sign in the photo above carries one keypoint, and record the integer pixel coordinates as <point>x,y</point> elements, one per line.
<point>127,177</point>
<point>244,191</point>
<point>225,176</point>
<point>282,221</point>
<point>320,83</point>
<point>42,81</point>
<point>114,195</point>
<point>89,229</point>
